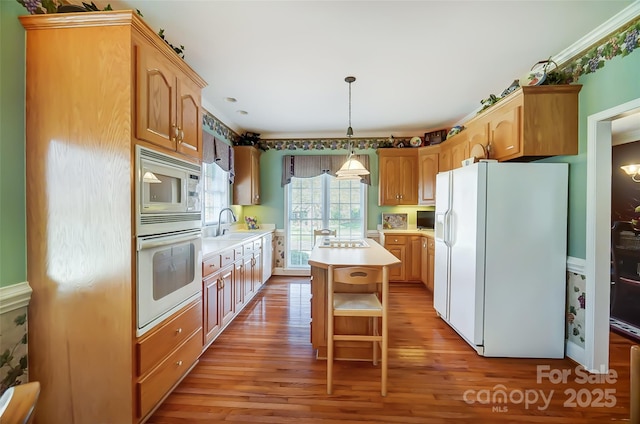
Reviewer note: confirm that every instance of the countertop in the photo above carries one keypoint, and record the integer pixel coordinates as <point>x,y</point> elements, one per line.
<point>374,255</point>
<point>213,245</point>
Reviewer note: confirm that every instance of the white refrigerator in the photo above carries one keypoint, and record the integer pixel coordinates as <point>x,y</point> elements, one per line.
<point>500,256</point>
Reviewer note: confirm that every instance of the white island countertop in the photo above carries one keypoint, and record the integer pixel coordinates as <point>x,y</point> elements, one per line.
<point>374,255</point>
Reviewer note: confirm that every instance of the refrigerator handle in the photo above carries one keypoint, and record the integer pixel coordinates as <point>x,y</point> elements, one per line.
<point>447,228</point>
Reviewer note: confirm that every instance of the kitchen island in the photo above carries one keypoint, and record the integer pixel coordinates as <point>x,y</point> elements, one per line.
<point>374,255</point>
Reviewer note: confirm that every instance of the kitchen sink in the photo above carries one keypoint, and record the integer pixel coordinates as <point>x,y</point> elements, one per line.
<point>235,236</point>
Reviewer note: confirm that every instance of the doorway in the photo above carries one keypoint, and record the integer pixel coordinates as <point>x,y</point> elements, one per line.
<point>598,234</point>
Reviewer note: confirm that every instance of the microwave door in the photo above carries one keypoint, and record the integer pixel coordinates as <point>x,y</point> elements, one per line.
<point>163,189</point>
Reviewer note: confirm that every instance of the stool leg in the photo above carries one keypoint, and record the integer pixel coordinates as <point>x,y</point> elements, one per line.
<point>385,329</point>
<point>375,343</point>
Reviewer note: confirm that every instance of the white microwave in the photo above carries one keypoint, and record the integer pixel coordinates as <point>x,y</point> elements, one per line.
<point>168,193</point>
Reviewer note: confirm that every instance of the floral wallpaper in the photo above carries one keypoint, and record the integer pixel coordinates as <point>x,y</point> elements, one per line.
<point>576,301</point>
<point>13,348</point>
<point>278,251</point>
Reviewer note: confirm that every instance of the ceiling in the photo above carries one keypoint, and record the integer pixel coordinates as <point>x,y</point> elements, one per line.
<point>419,65</point>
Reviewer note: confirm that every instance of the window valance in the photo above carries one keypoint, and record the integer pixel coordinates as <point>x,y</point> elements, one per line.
<point>217,151</point>
<point>305,166</point>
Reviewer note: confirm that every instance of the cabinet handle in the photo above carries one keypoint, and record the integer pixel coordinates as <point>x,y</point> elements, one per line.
<point>181,134</point>
<point>179,330</point>
<point>179,363</point>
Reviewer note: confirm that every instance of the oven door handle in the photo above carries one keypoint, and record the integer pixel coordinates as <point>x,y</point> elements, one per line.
<point>150,244</point>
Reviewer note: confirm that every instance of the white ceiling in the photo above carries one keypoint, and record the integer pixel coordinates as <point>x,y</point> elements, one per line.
<point>420,65</point>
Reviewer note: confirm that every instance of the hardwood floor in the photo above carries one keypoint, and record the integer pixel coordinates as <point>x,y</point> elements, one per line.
<point>262,369</point>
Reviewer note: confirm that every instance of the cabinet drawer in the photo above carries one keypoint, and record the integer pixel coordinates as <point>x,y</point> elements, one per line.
<point>210,265</point>
<point>248,248</point>
<point>151,349</point>
<point>227,257</point>
<point>394,239</point>
<point>155,385</point>
<point>238,252</point>
<point>257,245</point>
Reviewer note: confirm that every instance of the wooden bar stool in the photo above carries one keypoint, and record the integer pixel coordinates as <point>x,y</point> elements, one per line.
<point>358,305</point>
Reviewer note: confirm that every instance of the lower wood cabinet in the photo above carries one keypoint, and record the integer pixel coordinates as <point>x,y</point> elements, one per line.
<point>428,261</point>
<point>166,354</point>
<point>231,279</point>
<point>408,249</point>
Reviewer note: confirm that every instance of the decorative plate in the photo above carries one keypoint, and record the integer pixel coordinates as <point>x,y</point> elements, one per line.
<point>415,142</point>
<point>478,151</point>
<point>533,78</point>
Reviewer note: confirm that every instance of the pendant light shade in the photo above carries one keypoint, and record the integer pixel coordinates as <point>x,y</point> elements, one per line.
<point>352,167</point>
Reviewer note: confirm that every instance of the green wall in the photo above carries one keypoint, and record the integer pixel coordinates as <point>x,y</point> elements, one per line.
<point>272,194</point>
<point>618,82</point>
<point>12,162</point>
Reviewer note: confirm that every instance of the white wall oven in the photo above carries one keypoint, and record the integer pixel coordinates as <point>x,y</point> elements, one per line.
<point>168,236</point>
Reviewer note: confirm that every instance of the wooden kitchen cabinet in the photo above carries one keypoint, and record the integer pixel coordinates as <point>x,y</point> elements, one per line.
<point>246,186</point>
<point>82,115</point>
<point>167,103</point>
<point>428,168</point>
<point>397,245</point>
<point>218,295</point>
<point>427,260</point>
<point>533,122</point>
<point>398,184</point>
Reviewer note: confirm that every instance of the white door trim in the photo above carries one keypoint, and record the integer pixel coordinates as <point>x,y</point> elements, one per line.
<point>598,234</point>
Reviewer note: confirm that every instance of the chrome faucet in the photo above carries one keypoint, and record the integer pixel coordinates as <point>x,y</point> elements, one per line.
<point>233,216</point>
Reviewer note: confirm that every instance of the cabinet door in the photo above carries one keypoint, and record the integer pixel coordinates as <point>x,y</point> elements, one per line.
<point>238,287</point>
<point>255,177</point>
<point>505,133</point>
<point>246,187</point>
<point>409,187</point>
<point>155,98</point>
<point>413,268</point>
<point>444,160</point>
<point>397,272</point>
<point>257,269</point>
<point>390,180</point>
<point>459,152</point>
<point>431,256</point>
<point>211,321</point>
<point>188,119</point>
<point>424,261</point>
<point>247,278</point>
<point>427,169</point>
<point>225,295</point>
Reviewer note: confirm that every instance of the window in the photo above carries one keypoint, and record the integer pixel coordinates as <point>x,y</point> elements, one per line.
<point>321,202</point>
<point>215,192</point>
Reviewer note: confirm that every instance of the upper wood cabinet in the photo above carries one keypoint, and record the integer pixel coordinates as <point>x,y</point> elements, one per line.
<point>246,187</point>
<point>531,123</point>
<point>167,103</point>
<point>428,167</point>
<point>398,184</point>
<point>459,150</point>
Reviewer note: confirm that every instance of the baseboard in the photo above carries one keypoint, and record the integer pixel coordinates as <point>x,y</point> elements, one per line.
<point>14,297</point>
<point>292,272</point>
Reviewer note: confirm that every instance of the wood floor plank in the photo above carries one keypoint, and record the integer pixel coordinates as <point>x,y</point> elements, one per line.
<point>262,369</point>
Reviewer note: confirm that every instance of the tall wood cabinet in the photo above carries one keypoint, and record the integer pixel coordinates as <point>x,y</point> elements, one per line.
<point>81,130</point>
<point>428,168</point>
<point>398,184</point>
<point>246,187</point>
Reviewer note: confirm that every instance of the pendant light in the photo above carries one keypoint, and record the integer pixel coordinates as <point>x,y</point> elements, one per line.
<point>352,168</point>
